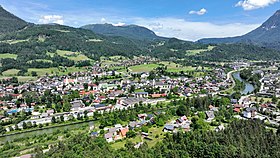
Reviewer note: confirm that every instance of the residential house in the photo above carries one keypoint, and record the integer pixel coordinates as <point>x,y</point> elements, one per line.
<point>76,105</point>
<point>209,115</point>
<point>168,128</point>
<point>250,112</point>
<point>141,94</point>
<point>109,137</point>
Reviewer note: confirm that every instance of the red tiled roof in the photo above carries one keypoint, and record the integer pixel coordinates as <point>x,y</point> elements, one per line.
<point>124,131</point>
<point>236,109</point>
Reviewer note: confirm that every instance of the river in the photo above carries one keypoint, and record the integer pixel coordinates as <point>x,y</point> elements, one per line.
<point>47,131</point>
<point>249,88</point>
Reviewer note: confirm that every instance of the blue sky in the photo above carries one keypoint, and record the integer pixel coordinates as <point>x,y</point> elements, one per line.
<point>184,19</point>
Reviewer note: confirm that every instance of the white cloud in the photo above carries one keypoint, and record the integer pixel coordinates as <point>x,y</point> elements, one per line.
<point>200,12</point>
<point>103,20</point>
<point>255,4</point>
<point>187,30</point>
<point>119,24</point>
<point>46,19</point>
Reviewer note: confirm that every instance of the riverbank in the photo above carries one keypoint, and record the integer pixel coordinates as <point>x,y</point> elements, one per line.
<point>247,87</point>
<point>48,129</point>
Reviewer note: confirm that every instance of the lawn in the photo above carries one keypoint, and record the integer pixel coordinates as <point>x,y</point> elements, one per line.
<point>94,40</point>
<point>64,31</point>
<point>11,72</point>
<point>50,54</point>
<point>14,41</point>
<point>173,67</point>
<point>8,55</point>
<point>264,99</point>
<point>153,133</point>
<point>59,71</point>
<point>42,60</point>
<point>143,67</point>
<point>75,56</point>
<point>120,144</point>
<point>197,51</point>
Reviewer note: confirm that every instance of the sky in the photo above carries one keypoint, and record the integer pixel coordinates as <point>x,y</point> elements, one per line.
<point>183,19</point>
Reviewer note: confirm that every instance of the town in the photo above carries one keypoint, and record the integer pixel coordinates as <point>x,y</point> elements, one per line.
<point>52,100</point>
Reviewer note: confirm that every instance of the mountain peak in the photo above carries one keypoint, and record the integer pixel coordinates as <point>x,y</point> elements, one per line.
<point>267,35</point>
<point>273,22</point>
<point>10,22</point>
<point>128,31</point>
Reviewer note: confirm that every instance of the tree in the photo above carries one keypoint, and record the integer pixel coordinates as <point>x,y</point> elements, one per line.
<point>16,127</point>
<point>39,152</point>
<point>62,118</point>
<point>11,128</point>
<point>24,125</point>
<point>33,73</point>
<point>29,124</point>
<point>145,129</point>
<point>182,110</point>
<point>2,130</point>
<point>132,89</point>
<point>79,116</point>
<point>274,99</point>
<point>34,124</point>
<point>66,106</point>
<point>86,115</point>
<point>85,86</point>
<point>53,120</point>
<point>130,134</point>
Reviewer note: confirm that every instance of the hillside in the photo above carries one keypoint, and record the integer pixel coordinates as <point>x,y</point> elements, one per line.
<point>128,31</point>
<point>37,42</point>
<point>267,35</point>
<point>232,52</point>
<point>9,22</point>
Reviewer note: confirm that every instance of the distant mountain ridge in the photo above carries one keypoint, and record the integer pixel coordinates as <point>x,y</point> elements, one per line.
<point>267,35</point>
<point>134,32</point>
<point>9,22</point>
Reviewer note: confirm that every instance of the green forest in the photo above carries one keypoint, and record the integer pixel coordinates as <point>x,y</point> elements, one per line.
<point>240,139</point>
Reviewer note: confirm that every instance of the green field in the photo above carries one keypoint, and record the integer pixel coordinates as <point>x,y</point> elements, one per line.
<point>59,71</point>
<point>143,67</point>
<point>155,133</point>
<point>42,60</point>
<point>14,41</point>
<point>171,67</point>
<point>197,51</point>
<point>75,56</point>
<point>10,73</point>
<point>8,55</point>
<point>50,54</point>
<point>94,40</point>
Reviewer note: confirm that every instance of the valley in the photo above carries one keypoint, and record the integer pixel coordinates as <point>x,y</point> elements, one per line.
<point>108,90</point>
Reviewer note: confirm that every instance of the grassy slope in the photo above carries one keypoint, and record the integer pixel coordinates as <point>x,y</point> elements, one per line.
<point>8,55</point>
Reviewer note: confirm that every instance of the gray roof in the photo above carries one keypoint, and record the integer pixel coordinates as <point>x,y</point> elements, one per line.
<point>77,104</point>
<point>169,127</point>
<point>108,135</point>
<point>210,114</point>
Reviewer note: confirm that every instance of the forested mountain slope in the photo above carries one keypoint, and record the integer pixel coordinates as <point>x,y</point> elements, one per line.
<point>9,22</point>
<point>267,35</point>
<point>240,139</point>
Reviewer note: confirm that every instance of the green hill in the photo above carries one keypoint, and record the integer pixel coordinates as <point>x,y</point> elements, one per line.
<point>128,31</point>
<point>9,22</point>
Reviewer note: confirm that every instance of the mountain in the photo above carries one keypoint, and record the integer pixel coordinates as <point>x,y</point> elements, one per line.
<point>9,22</point>
<point>267,35</point>
<point>128,31</point>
